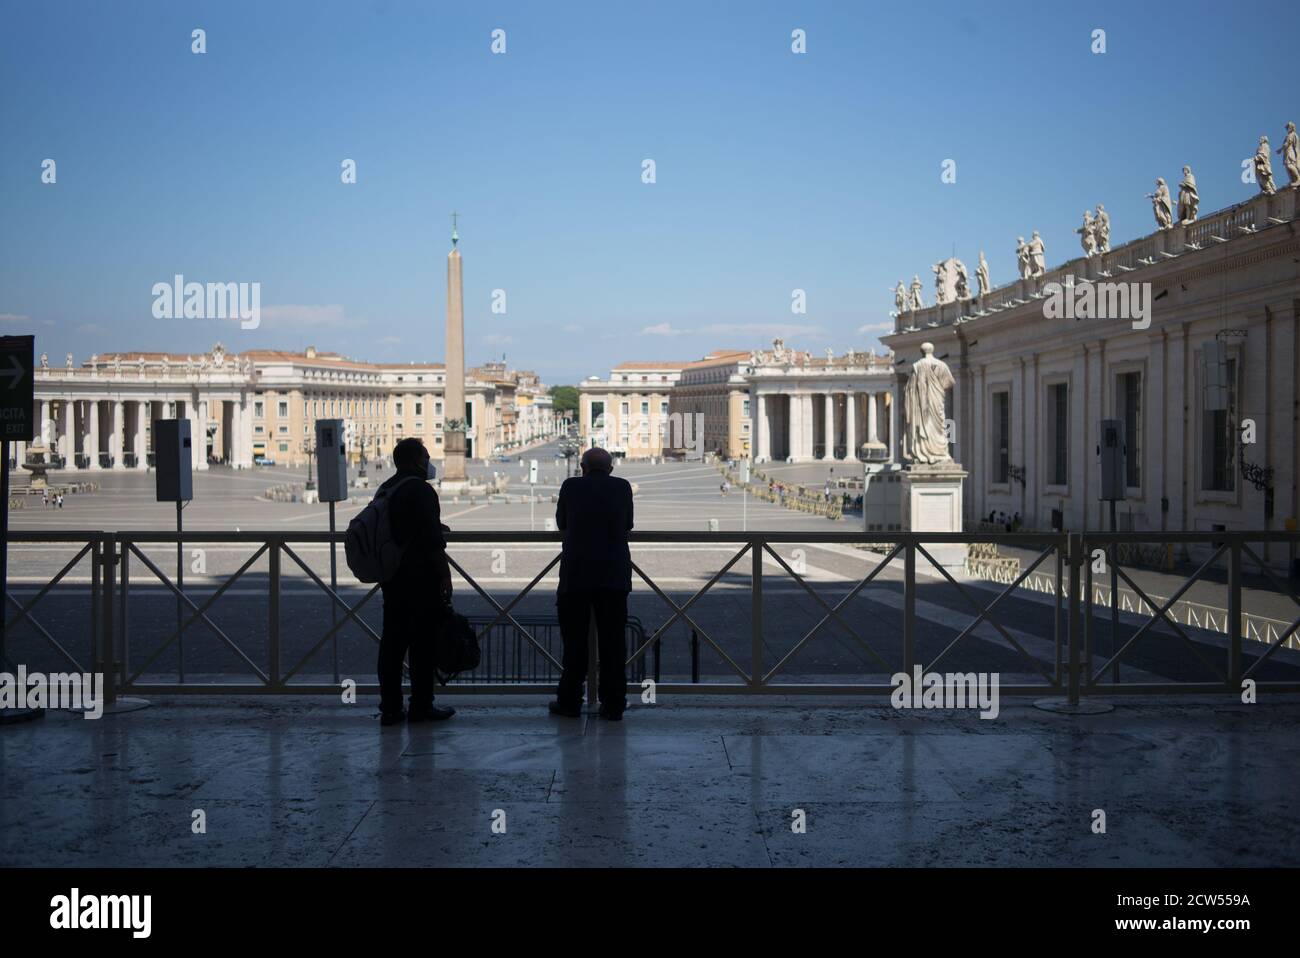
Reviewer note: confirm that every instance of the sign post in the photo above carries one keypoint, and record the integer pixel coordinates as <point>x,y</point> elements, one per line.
<point>16,425</point>
<point>332,481</point>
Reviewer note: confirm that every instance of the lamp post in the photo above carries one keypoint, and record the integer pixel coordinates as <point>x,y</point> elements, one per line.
<point>309,447</point>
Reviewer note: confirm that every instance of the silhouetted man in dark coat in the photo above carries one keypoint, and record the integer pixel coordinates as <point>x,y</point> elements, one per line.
<point>595,515</point>
<point>413,597</point>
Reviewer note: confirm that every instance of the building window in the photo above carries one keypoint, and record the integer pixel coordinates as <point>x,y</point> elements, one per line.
<point>1219,439</point>
<point>663,408</point>
<point>1128,404</point>
<point>1058,422</point>
<point>597,415</point>
<point>283,430</point>
<point>399,408</point>
<point>258,411</point>
<point>645,407</point>
<point>282,409</point>
<point>1001,437</point>
<point>745,409</point>
<point>625,408</point>
<point>419,409</point>
<point>284,447</point>
<point>437,408</point>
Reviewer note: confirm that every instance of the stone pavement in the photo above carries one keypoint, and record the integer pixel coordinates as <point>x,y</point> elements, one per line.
<point>692,781</point>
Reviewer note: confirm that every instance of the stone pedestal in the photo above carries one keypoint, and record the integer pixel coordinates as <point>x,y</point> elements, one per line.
<point>932,502</point>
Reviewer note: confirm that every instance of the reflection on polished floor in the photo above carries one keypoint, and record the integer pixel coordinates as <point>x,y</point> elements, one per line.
<point>692,781</point>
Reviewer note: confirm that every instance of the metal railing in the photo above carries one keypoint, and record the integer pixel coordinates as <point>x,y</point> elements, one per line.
<point>522,651</point>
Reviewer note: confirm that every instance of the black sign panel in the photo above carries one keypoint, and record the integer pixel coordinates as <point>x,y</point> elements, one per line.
<point>16,420</point>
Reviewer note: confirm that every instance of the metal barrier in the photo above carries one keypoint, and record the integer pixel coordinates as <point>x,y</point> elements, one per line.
<point>521,651</point>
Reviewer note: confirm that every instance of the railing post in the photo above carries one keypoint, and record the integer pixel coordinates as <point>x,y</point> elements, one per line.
<point>1076,558</point>
<point>108,658</point>
<point>1234,614</point>
<point>593,658</point>
<point>1056,616</point>
<point>96,598</point>
<point>273,614</point>
<point>756,613</point>
<point>123,620</point>
<point>909,606</point>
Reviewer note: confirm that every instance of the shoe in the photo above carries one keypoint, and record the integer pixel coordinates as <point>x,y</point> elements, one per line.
<point>613,716</point>
<point>555,708</point>
<point>434,713</point>
<point>392,718</point>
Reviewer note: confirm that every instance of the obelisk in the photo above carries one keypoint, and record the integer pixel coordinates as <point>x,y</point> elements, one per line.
<point>453,435</point>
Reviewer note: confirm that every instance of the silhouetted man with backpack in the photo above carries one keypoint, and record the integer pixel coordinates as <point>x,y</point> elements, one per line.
<point>595,515</point>
<point>413,596</point>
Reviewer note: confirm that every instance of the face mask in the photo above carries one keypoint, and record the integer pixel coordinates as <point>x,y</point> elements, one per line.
<point>430,471</point>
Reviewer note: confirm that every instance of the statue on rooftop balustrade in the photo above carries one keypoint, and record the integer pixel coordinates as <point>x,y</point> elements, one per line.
<point>1102,227</point>
<point>1189,201</point>
<point>963,279</point>
<point>982,275</point>
<point>940,271</point>
<point>900,298</point>
<point>916,302</point>
<point>1088,235</point>
<point>1161,205</point>
<point>1022,258</point>
<point>1290,153</point>
<point>1264,168</point>
<point>1037,255</point>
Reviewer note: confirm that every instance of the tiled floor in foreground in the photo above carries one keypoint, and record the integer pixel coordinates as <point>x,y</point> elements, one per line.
<point>693,781</point>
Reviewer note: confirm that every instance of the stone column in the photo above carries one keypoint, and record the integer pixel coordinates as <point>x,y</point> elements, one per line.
<point>895,440</point>
<point>45,432</point>
<point>116,445</point>
<point>850,427</point>
<point>137,440</point>
<point>67,441</point>
<point>793,426</point>
<point>828,427</point>
<point>92,434</point>
<point>202,459</point>
<point>762,430</point>
<point>873,434</point>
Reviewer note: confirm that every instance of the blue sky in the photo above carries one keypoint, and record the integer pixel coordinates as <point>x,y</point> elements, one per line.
<point>775,171</point>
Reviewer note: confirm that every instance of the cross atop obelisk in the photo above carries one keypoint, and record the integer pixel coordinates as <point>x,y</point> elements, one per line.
<point>453,438</point>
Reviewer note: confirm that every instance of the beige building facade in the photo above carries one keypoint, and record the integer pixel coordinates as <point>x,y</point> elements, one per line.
<point>628,413</point>
<point>264,404</point>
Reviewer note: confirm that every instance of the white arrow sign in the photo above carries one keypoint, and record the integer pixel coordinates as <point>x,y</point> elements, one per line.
<point>15,372</point>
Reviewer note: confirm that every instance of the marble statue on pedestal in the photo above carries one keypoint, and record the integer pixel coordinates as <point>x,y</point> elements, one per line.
<point>1290,153</point>
<point>1088,235</point>
<point>67,361</point>
<point>900,298</point>
<point>1189,201</point>
<point>982,275</point>
<point>45,360</point>
<point>1161,204</point>
<point>1022,258</point>
<point>1103,229</point>
<point>923,407</point>
<point>1264,168</point>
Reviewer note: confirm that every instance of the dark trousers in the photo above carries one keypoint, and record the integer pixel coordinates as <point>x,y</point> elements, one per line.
<point>406,631</point>
<point>575,610</point>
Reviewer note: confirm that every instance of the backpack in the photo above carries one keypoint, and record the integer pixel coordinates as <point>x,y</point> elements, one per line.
<point>455,646</point>
<point>373,554</point>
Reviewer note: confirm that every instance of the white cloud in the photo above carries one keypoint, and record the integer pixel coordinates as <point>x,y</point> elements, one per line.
<point>14,318</point>
<point>495,339</point>
<point>301,315</point>
<point>784,330</point>
<point>876,328</point>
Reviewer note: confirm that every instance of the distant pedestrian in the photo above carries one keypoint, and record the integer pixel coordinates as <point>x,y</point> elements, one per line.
<point>59,500</point>
<point>45,497</point>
